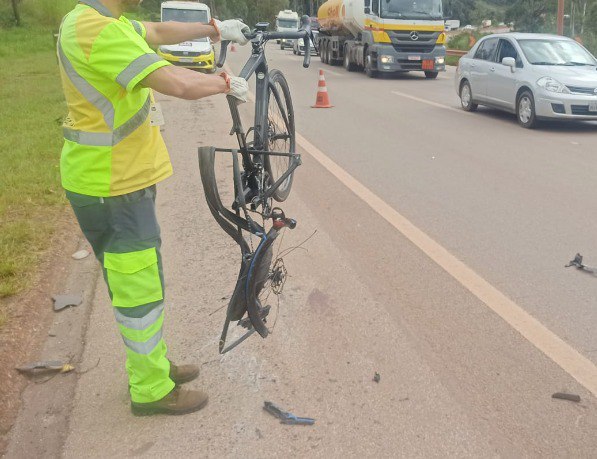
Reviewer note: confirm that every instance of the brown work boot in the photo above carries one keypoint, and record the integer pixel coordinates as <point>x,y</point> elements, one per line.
<point>183,373</point>
<point>178,401</point>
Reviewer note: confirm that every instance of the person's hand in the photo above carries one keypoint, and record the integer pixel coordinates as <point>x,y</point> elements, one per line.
<point>232,30</point>
<point>239,88</point>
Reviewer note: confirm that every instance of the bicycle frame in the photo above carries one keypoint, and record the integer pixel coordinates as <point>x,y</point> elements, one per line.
<point>252,152</point>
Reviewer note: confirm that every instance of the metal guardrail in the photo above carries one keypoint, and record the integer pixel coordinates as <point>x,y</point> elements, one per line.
<point>455,52</point>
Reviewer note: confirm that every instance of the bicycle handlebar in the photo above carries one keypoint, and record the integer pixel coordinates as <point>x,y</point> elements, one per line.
<point>304,32</point>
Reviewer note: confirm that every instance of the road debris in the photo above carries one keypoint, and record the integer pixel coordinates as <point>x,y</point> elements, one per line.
<point>285,417</point>
<point>81,254</point>
<point>564,396</point>
<point>35,368</point>
<point>377,377</point>
<point>578,264</point>
<point>64,301</point>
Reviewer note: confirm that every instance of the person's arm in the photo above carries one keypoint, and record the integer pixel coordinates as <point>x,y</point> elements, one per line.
<point>185,84</point>
<point>172,33</point>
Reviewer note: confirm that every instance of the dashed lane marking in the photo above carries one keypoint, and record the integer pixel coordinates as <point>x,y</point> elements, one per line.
<point>430,102</point>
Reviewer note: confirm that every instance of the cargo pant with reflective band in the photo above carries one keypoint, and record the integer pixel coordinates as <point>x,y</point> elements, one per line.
<point>125,236</point>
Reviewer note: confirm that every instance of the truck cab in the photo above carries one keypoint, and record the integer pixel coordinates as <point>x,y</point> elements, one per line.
<point>287,21</point>
<point>195,54</point>
<point>383,36</point>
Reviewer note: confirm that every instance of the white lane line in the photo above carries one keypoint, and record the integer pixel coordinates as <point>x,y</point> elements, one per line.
<point>429,102</point>
<point>560,352</point>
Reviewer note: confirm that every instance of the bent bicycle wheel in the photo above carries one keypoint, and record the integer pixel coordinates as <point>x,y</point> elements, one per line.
<point>280,134</point>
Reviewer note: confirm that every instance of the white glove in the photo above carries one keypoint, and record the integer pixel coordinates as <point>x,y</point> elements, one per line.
<point>239,88</point>
<point>232,30</point>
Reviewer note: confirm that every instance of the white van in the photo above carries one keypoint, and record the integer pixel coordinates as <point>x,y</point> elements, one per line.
<point>287,21</point>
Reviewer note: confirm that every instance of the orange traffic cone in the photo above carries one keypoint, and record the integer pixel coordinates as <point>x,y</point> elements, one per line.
<point>232,48</point>
<point>323,100</point>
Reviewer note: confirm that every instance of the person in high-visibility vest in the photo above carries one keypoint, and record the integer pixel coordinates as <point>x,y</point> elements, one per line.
<point>112,159</point>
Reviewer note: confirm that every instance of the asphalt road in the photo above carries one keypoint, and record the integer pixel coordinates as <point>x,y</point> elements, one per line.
<point>438,262</point>
<point>515,205</point>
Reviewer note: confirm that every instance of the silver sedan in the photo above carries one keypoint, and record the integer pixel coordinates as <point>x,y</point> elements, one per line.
<point>535,76</point>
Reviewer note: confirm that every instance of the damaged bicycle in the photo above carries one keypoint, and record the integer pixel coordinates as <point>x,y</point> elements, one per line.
<point>263,169</point>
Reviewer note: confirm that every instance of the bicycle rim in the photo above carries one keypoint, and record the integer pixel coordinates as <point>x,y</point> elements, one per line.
<point>280,133</point>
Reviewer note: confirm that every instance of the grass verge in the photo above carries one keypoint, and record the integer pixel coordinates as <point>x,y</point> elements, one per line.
<point>30,115</point>
<point>452,60</point>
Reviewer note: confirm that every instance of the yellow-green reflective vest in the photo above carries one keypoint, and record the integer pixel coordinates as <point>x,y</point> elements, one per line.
<point>110,146</point>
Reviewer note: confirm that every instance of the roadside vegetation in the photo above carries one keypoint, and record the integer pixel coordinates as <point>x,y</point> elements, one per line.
<point>31,112</point>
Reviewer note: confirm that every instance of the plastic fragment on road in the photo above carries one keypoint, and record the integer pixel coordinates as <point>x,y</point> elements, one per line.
<point>64,301</point>
<point>285,417</point>
<point>57,366</point>
<point>578,264</point>
<point>564,396</point>
<point>377,377</point>
<point>81,254</point>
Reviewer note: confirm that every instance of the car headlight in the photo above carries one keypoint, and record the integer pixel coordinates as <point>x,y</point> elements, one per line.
<point>301,42</point>
<point>386,59</point>
<point>552,85</point>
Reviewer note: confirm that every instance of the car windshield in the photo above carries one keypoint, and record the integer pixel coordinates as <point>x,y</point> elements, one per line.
<point>172,14</point>
<point>288,23</point>
<point>411,9</point>
<point>556,52</point>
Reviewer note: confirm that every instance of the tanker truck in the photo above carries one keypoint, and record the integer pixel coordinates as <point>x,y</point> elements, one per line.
<point>383,36</point>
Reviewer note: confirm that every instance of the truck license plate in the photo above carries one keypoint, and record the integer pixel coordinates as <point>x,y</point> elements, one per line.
<point>593,106</point>
<point>414,58</point>
<point>186,60</point>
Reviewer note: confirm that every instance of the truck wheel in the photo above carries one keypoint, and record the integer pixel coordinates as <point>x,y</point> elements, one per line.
<point>369,69</point>
<point>351,67</point>
<point>326,53</point>
<point>431,75</point>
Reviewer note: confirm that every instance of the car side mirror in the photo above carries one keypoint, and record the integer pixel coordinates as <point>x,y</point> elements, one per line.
<point>509,62</point>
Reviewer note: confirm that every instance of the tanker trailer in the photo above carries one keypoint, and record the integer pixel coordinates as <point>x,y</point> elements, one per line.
<point>383,36</point>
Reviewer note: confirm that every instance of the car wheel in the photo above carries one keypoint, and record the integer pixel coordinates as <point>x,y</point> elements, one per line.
<point>431,75</point>
<point>294,51</point>
<point>525,110</point>
<point>466,98</point>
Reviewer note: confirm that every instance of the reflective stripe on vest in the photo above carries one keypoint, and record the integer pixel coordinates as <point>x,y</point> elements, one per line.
<point>97,99</point>
<point>97,5</point>
<point>138,27</point>
<point>109,139</point>
<point>135,67</point>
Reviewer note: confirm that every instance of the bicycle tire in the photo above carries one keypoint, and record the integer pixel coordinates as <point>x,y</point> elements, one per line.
<point>258,273</point>
<point>280,116</point>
